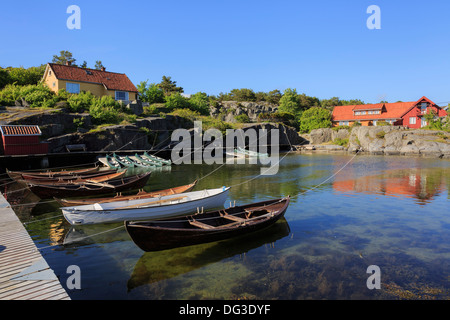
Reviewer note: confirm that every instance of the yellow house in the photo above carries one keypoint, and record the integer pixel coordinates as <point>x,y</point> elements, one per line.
<point>98,82</point>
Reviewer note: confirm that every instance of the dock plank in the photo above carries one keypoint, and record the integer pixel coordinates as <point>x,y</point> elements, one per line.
<point>18,253</point>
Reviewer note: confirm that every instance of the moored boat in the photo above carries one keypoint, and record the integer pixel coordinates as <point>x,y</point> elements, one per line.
<point>146,209</point>
<point>148,161</point>
<point>124,161</point>
<point>206,227</point>
<point>100,176</point>
<point>141,195</point>
<point>49,173</point>
<point>250,153</point>
<point>46,191</point>
<point>155,158</point>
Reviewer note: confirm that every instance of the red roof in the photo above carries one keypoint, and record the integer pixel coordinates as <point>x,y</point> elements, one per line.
<point>111,80</point>
<point>377,106</point>
<point>20,130</point>
<point>391,110</point>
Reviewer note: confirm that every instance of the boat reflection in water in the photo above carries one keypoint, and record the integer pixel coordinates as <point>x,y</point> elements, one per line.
<point>162,265</point>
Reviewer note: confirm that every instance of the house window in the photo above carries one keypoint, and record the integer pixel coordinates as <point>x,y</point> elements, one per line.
<point>423,123</point>
<point>374,122</point>
<point>412,120</point>
<point>72,87</point>
<point>363,112</point>
<point>357,113</point>
<point>343,123</point>
<point>423,107</point>
<point>122,95</point>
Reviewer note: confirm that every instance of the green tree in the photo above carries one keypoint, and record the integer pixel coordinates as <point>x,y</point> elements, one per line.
<point>150,93</point>
<point>24,77</point>
<point>290,102</point>
<point>4,78</point>
<point>169,86</point>
<point>98,65</point>
<point>243,94</point>
<point>84,65</point>
<point>64,56</point>
<point>274,96</point>
<point>200,102</point>
<point>176,101</point>
<point>315,118</point>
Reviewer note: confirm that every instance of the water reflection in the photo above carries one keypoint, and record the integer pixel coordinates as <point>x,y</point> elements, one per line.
<point>158,266</point>
<point>364,215</point>
<point>420,184</point>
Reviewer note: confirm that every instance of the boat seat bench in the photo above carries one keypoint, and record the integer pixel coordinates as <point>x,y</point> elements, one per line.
<point>200,224</point>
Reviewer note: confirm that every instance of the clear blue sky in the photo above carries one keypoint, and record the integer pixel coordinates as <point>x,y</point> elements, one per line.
<point>321,48</point>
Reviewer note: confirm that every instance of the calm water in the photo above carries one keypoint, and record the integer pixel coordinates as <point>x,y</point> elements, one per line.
<point>392,212</point>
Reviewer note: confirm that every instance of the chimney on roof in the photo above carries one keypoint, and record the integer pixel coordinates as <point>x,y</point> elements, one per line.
<point>68,63</point>
<point>103,68</point>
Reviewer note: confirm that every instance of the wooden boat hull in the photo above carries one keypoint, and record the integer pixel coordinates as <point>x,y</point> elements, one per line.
<point>157,159</point>
<point>46,174</point>
<point>124,162</point>
<point>173,233</point>
<point>147,161</point>
<point>31,176</point>
<point>143,209</point>
<point>98,178</point>
<point>140,195</point>
<point>44,191</point>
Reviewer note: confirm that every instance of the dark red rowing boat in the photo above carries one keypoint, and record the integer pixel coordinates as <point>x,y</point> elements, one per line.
<point>46,191</point>
<point>206,227</point>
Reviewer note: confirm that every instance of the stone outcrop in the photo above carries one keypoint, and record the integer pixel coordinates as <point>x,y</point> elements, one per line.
<point>228,110</point>
<point>145,134</point>
<point>388,140</point>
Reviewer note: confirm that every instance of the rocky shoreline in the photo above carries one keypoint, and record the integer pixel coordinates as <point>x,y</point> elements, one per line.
<point>60,129</point>
<point>383,140</point>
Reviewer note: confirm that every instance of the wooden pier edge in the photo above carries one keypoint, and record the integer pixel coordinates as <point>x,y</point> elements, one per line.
<point>24,273</point>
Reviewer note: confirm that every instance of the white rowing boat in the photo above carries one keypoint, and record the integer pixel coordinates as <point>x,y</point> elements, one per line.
<point>146,209</point>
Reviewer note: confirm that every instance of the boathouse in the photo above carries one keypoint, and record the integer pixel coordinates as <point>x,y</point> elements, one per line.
<point>22,140</point>
<point>407,114</point>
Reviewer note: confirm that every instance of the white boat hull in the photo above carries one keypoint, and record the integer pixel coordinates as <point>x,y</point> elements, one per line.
<point>146,209</point>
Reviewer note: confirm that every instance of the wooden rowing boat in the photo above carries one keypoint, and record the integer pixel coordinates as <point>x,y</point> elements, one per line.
<point>146,209</point>
<point>49,174</point>
<point>97,174</point>
<point>147,162</point>
<point>77,180</point>
<point>141,195</point>
<point>44,191</point>
<point>124,161</point>
<point>249,153</point>
<point>157,159</point>
<point>206,227</point>
<point>112,162</point>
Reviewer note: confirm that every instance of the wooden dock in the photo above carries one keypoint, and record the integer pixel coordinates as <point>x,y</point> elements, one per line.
<point>24,273</point>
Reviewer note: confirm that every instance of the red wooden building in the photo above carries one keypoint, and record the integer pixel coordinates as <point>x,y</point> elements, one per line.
<point>407,114</point>
<point>22,140</point>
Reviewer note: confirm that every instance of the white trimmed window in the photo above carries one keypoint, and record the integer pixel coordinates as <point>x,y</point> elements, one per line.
<point>412,120</point>
<point>122,95</point>
<point>72,87</point>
